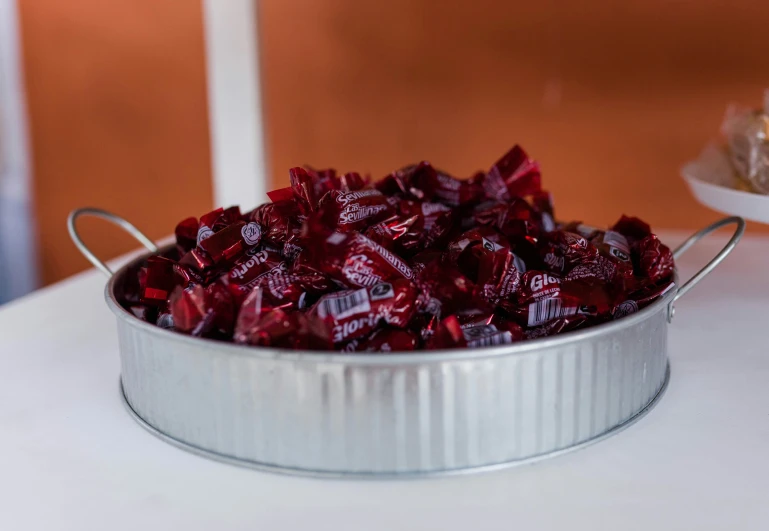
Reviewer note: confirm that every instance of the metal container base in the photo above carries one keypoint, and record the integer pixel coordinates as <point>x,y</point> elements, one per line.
<point>325,474</point>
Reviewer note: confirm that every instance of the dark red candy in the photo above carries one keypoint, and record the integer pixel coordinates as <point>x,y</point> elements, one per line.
<point>487,336</point>
<point>206,223</point>
<point>251,269</point>
<point>557,326</point>
<point>281,222</point>
<point>354,211</point>
<point>424,183</point>
<point>445,290</point>
<point>416,181</point>
<point>280,195</point>
<point>161,275</point>
<point>514,175</point>
<point>186,233</point>
<point>354,260</point>
<point>483,239</point>
<point>350,182</point>
<point>632,228</point>
<point>499,275</point>
<point>542,204</point>
<point>227,217</point>
<point>216,220</point>
<point>444,227</point>
<point>204,312</point>
<point>353,314</point>
<point>655,260</point>
<point>514,219</point>
<point>384,340</point>
<point>561,251</point>
<point>612,244</point>
<point>430,211</point>
<point>495,318</point>
<point>448,334</point>
<point>282,329</point>
<point>571,298</point>
<point>457,192</point>
<point>641,298</point>
<point>402,235</point>
<point>223,248</point>
<point>421,260</point>
<point>264,299</point>
<point>613,263</point>
<point>605,269</point>
<point>232,242</point>
<point>536,285</point>
<point>307,191</point>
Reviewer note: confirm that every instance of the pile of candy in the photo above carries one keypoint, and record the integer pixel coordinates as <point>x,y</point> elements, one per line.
<point>418,260</point>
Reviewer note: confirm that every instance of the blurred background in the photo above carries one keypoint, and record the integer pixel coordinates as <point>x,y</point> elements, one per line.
<point>145,107</point>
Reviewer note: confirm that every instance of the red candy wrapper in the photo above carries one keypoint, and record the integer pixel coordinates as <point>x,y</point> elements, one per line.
<point>593,304</point>
<point>420,259</point>
<point>561,251</point>
<point>499,275</point>
<point>204,312</point>
<point>514,175</point>
<point>557,326</point>
<point>281,329</point>
<point>384,340</point>
<point>252,269</point>
<point>632,228</point>
<point>353,314</point>
<point>515,219</point>
<point>444,290</point>
<point>402,235</point>
<point>452,334</point>
<point>354,211</point>
<point>655,260</point>
<point>281,222</point>
<point>221,249</point>
<point>355,261</point>
<point>186,233</point>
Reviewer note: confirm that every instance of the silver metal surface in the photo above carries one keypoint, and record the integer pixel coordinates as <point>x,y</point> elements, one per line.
<point>407,414</point>
<point>112,218</point>
<point>694,238</point>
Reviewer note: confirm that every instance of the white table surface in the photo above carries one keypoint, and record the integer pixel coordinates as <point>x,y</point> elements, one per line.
<point>72,458</point>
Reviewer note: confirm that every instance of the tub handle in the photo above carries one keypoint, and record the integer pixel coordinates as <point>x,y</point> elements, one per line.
<point>144,240</point>
<point>112,218</point>
<point>710,266</point>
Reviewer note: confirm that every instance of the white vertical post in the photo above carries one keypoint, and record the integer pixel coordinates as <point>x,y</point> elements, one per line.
<point>234,103</point>
<point>18,261</point>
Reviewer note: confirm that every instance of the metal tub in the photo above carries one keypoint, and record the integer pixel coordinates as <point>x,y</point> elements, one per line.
<point>408,414</point>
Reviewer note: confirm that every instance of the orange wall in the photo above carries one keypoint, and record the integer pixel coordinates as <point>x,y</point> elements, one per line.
<point>117,110</point>
<point>611,97</point>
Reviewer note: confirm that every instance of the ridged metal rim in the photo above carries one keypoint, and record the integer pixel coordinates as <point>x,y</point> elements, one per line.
<point>533,346</point>
<point>325,474</point>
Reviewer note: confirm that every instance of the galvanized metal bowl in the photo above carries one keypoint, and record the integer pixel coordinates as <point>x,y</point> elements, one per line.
<point>394,414</point>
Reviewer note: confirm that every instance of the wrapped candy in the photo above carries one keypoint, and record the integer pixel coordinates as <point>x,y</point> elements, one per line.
<point>514,175</point>
<point>747,136</point>
<point>354,211</point>
<point>204,312</point>
<point>384,340</point>
<point>352,314</point>
<point>278,328</point>
<point>418,260</point>
<point>354,260</point>
<point>251,269</point>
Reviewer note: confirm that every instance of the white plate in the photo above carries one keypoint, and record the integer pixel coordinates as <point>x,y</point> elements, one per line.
<point>712,181</point>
